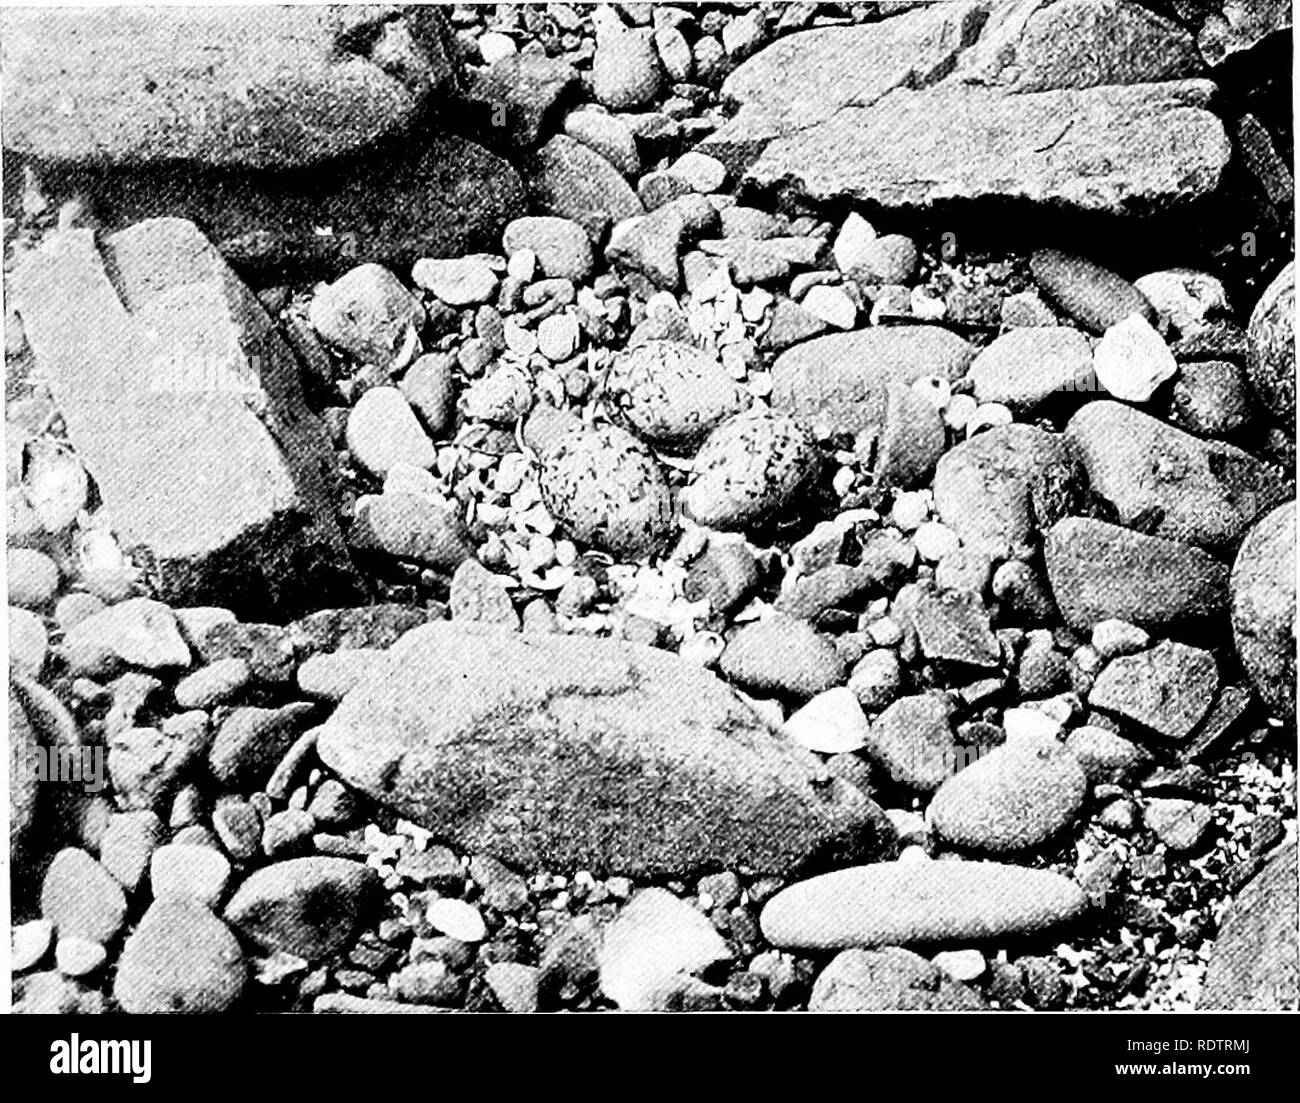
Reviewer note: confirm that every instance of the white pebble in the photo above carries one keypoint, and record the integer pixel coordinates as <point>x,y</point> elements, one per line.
<point>78,957</point>
<point>960,409</point>
<point>852,243</point>
<point>1132,360</point>
<point>522,265</point>
<point>566,554</point>
<point>926,307</point>
<point>911,508</point>
<point>1027,724</point>
<point>185,871</point>
<point>702,648</point>
<point>831,723</point>
<point>935,540</point>
<point>911,827</point>
<point>963,965</point>
<point>885,632</point>
<point>934,389</point>
<point>557,337</point>
<point>831,305</point>
<point>29,942</point>
<point>1117,637</point>
<point>704,173</point>
<point>753,304</point>
<point>494,45</point>
<point>988,415</point>
<point>456,919</point>
<point>520,341</point>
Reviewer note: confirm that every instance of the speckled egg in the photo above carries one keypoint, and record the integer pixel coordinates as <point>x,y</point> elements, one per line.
<point>671,393</point>
<point>751,466</point>
<point>605,489</point>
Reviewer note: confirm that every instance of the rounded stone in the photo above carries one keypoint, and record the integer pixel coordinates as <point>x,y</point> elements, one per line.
<point>28,642</point>
<point>189,872</point>
<point>1094,296</point>
<point>309,907</point>
<point>33,578</point>
<point>1025,367</point>
<point>78,957</point>
<point>181,958</point>
<point>460,281</point>
<point>907,903</point>
<point>1271,361</point>
<point>80,897</point>
<point>780,654</point>
<point>1264,608</point>
<point>561,246</point>
<point>456,919</point>
<point>1012,799</point>
<point>625,71</point>
<point>382,431</point>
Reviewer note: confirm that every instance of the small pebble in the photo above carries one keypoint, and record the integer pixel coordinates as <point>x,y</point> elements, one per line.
<point>29,942</point>
<point>456,919</point>
<point>831,305</point>
<point>78,957</point>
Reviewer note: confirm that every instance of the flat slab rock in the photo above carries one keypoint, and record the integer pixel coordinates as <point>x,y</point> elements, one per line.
<point>390,204</point>
<point>1112,149</point>
<point>183,401</point>
<point>558,752</point>
<point>804,78</point>
<point>1255,964</point>
<point>257,86</point>
<point>908,903</point>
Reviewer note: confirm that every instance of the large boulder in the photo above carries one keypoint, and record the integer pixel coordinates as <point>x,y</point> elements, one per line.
<point>1169,483</point>
<point>1109,150</point>
<point>565,753</point>
<point>257,87</point>
<point>184,402</point>
<point>1254,964</point>
<point>1263,608</point>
